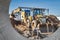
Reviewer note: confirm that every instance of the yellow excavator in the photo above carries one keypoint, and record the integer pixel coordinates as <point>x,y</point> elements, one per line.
<point>41,15</point>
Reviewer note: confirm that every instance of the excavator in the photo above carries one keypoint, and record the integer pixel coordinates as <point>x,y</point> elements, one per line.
<point>32,22</point>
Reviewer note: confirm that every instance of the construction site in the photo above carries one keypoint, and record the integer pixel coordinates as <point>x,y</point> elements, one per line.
<point>34,23</point>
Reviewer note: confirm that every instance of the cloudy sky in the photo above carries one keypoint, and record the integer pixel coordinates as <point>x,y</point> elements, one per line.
<point>52,5</point>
